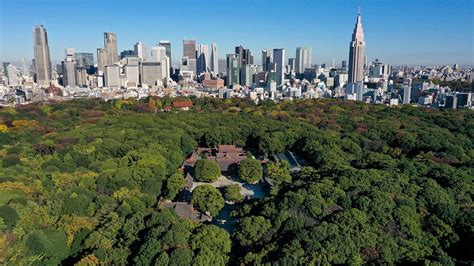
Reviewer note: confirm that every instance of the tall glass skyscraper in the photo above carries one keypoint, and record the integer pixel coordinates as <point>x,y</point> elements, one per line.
<point>42,56</point>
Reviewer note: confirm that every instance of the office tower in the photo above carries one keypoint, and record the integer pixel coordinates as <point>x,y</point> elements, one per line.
<point>85,60</point>
<point>42,57</point>
<point>245,56</point>
<point>140,50</point>
<point>245,76</point>
<point>167,45</point>
<point>303,58</point>
<point>222,65</point>
<point>344,64</point>
<point>112,76</point>
<point>110,44</point>
<point>132,75</point>
<point>81,76</point>
<point>203,59</point>
<point>407,83</point>
<point>151,73</point>
<point>189,49</point>
<point>279,60</point>
<point>101,60</point>
<point>247,73</point>
<point>214,60</point>
<point>69,68</point>
<point>5,70</point>
<point>357,53</point>
<point>291,65</point>
<point>127,53</point>
<point>232,69</point>
<point>158,53</point>
<point>267,59</point>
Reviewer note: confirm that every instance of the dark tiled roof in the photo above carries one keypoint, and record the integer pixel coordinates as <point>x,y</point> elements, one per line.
<point>186,210</point>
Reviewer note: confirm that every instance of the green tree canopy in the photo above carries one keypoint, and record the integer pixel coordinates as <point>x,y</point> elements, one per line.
<point>250,170</point>
<point>206,170</point>
<point>207,199</point>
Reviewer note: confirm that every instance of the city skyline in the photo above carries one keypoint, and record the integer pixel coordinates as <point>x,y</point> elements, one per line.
<point>328,40</point>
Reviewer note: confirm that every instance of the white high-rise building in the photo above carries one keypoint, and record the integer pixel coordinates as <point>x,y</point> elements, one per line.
<point>42,56</point>
<point>141,50</point>
<point>112,76</point>
<point>132,75</point>
<point>214,60</point>
<point>158,54</point>
<point>407,90</point>
<point>303,58</point>
<point>167,45</point>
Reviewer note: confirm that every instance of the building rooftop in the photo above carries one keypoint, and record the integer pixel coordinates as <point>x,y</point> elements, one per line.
<point>186,210</point>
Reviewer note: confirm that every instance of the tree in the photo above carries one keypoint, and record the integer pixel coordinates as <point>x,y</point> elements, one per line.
<point>232,193</point>
<point>9,215</point>
<point>251,229</point>
<point>279,172</point>
<point>207,199</point>
<point>250,170</point>
<point>206,170</point>
<point>211,237</point>
<point>174,184</point>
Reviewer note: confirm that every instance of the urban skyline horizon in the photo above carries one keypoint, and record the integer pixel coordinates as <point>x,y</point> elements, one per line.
<point>226,46</point>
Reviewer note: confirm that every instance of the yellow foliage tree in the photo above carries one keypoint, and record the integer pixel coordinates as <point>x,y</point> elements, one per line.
<point>3,128</point>
<point>71,224</point>
<point>88,260</point>
<point>24,123</point>
<point>16,186</point>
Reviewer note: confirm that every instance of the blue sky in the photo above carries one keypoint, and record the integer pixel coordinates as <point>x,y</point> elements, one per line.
<point>397,31</point>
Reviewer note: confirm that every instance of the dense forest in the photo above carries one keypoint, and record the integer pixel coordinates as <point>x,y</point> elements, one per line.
<point>80,181</point>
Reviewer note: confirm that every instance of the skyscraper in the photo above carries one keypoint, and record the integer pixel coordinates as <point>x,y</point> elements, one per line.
<point>189,49</point>
<point>85,60</point>
<point>245,56</point>
<point>158,54</point>
<point>167,45</point>
<point>101,59</point>
<point>267,59</point>
<point>232,69</point>
<point>203,59</point>
<point>42,57</point>
<point>140,50</point>
<point>279,60</point>
<point>214,62</point>
<point>110,44</point>
<point>291,65</point>
<point>303,58</point>
<point>357,53</point>
<point>69,68</point>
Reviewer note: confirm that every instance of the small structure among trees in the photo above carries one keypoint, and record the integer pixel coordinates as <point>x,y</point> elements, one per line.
<point>228,157</point>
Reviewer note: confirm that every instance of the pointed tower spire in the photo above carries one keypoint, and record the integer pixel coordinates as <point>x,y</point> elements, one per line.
<point>357,52</point>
